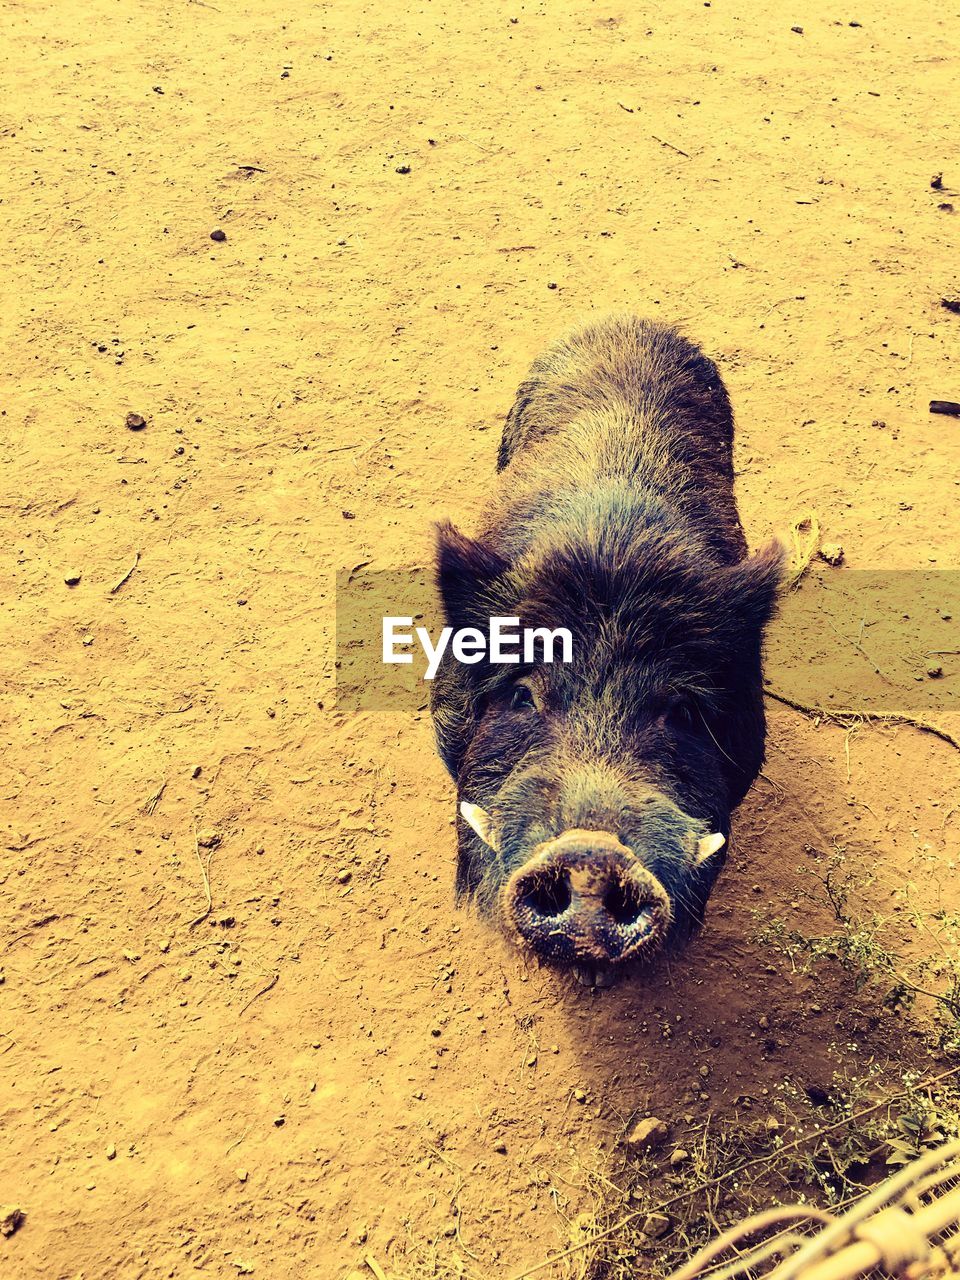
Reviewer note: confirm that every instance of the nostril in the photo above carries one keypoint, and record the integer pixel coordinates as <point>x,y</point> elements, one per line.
<point>547,893</point>
<point>624,902</point>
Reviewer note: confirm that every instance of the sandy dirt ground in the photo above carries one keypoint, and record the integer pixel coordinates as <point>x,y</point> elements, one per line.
<point>334,1063</point>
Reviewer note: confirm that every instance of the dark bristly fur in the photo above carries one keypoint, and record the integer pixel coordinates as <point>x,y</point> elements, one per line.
<point>614,516</point>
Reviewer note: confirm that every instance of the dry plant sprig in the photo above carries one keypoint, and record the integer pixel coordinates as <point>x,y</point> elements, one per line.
<point>804,545</point>
<point>687,1192</point>
<point>205,872</point>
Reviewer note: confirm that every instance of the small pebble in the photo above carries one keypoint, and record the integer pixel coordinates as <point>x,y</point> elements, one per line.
<point>11,1216</point>
<point>111,1152</point>
<point>647,1135</point>
<point>218,235</point>
<point>136,421</point>
<point>656,1225</point>
<point>72,578</point>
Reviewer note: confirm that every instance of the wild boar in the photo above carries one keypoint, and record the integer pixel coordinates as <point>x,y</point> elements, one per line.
<point>596,795</point>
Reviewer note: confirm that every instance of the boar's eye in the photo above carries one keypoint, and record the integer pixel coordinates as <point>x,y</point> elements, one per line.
<point>521,698</point>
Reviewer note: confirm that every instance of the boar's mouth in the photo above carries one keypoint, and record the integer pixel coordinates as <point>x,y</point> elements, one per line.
<point>586,903</point>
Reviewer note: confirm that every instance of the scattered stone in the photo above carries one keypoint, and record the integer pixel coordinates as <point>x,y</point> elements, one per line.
<point>136,421</point>
<point>403,168</point>
<point>948,407</point>
<point>647,1135</point>
<point>208,839</point>
<point>679,1156</point>
<point>500,1147</point>
<point>242,1175</point>
<point>111,1152</point>
<point>279,1121</point>
<point>196,771</point>
<point>704,1071</point>
<point>579,1095</point>
<point>797,30</point>
<point>935,672</point>
<point>951,304</point>
<point>11,1217</point>
<point>656,1225</point>
<point>72,578</point>
<point>832,552</point>
<point>344,876</point>
<point>772,1124</point>
<point>763,1022</point>
<point>218,235</point>
<point>818,1096</point>
<point>936,182</point>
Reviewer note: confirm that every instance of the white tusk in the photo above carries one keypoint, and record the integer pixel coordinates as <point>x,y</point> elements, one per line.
<point>481,822</point>
<point>707,846</point>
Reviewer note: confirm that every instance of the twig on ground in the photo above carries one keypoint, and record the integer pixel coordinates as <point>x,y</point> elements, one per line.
<point>841,715</point>
<point>151,802</point>
<point>236,1142</point>
<point>669,146</point>
<point>846,746</point>
<point>275,978</point>
<point>117,585</point>
<point>205,872</point>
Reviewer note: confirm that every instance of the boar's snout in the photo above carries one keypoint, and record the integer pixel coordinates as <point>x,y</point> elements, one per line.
<point>585,901</point>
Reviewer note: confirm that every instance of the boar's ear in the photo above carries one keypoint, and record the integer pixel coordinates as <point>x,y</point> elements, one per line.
<point>466,571</point>
<point>754,585</point>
